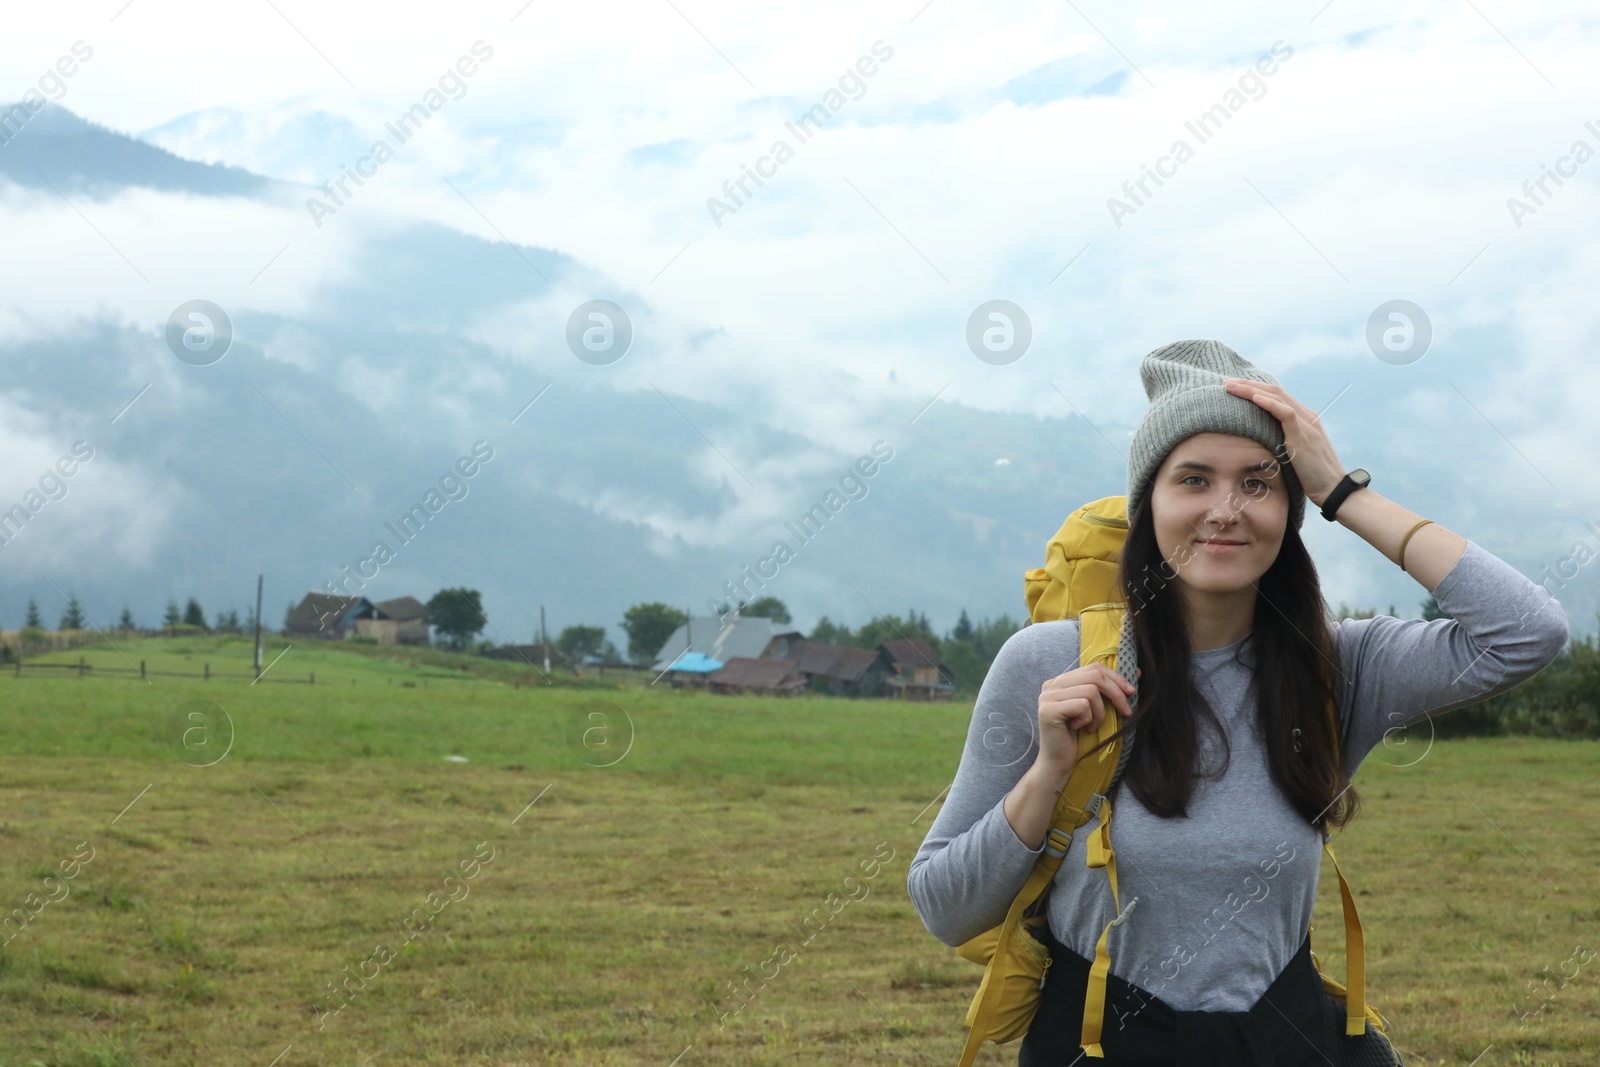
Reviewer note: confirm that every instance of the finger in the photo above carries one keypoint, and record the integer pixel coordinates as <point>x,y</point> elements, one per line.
<point>1069,708</point>
<point>1118,678</point>
<point>1091,697</point>
<point>1065,678</point>
<point>1116,687</point>
<point>1272,397</point>
<point>1286,398</point>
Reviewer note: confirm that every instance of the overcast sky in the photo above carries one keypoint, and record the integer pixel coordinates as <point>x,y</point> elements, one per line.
<point>1367,155</point>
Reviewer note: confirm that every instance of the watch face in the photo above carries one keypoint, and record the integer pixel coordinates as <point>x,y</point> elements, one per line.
<point>1360,476</point>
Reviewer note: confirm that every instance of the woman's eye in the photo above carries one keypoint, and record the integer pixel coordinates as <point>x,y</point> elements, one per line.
<point>1194,477</point>
<point>1257,481</point>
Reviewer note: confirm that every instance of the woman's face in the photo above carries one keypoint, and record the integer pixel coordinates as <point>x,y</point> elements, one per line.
<point>1221,506</point>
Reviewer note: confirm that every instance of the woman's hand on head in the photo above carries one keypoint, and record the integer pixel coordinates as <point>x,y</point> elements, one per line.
<point>1311,453</point>
<point>1074,701</point>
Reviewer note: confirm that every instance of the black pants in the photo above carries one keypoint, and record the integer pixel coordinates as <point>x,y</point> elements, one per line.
<point>1294,1024</point>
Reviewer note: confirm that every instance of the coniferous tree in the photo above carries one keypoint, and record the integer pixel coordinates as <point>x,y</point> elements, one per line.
<point>193,616</point>
<point>828,632</point>
<point>963,630</point>
<point>72,618</point>
<point>126,622</point>
<point>33,616</point>
<point>173,617</point>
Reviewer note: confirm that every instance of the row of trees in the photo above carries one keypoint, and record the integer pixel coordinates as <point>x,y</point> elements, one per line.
<point>73,618</point>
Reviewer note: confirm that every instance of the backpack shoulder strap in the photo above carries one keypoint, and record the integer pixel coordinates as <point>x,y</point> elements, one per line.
<point>1105,638</point>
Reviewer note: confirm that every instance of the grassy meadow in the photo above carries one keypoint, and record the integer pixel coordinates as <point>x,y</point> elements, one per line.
<point>632,850</point>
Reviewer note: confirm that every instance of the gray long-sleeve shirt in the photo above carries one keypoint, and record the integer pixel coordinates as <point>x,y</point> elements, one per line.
<point>1225,894</point>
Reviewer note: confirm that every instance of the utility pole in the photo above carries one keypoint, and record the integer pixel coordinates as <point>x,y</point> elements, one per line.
<point>259,579</point>
<point>544,640</point>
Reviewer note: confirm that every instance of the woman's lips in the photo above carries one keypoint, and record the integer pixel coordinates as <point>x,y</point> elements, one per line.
<point>1221,547</point>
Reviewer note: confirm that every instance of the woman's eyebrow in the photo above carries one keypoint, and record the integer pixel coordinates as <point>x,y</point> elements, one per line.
<point>1196,465</point>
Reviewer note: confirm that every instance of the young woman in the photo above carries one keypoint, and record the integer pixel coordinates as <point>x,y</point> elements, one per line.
<point>1231,784</point>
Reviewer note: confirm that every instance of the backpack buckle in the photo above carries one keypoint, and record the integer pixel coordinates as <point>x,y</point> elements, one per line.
<point>1093,807</point>
<point>1120,919</point>
<point>1057,841</point>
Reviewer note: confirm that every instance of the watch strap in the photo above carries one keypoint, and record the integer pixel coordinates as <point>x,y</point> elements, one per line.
<point>1346,486</point>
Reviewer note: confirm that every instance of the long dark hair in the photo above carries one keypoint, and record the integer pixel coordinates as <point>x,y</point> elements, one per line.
<point>1294,666</point>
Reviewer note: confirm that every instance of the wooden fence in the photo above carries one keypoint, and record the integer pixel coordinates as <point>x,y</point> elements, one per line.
<point>84,669</point>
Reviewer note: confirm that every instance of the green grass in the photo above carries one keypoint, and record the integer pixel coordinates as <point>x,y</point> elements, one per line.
<point>221,904</point>
<point>295,661</point>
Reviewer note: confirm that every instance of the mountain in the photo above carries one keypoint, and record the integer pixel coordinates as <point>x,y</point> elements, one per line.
<point>56,146</point>
<point>339,408</point>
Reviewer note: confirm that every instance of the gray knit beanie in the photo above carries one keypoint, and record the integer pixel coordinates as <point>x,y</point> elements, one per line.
<point>1184,383</point>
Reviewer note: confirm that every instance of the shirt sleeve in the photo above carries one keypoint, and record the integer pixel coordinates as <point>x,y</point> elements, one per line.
<point>972,864</point>
<point>1504,629</point>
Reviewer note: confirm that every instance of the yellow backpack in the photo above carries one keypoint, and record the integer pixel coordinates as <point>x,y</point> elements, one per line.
<point>1080,580</point>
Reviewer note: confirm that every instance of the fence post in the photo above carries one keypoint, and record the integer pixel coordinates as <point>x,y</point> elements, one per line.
<point>208,672</point>
<point>313,678</point>
<point>141,669</point>
<point>80,666</point>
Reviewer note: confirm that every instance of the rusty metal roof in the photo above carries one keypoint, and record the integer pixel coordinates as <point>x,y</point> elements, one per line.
<point>835,661</point>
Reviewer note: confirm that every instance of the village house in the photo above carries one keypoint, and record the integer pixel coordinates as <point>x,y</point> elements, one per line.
<point>841,671</point>
<point>690,669</point>
<point>401,621</point>
<point>918,673</point>
<point>764,677</point>
<point>330,617</point>
<point>742,656</point>
<point>327,616</point>
<point>749,637</point>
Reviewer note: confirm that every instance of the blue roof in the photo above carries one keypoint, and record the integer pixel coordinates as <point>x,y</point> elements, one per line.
<point>698,662</point>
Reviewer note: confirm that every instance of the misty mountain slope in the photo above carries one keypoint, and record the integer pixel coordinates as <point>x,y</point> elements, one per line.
<point>55,146</point>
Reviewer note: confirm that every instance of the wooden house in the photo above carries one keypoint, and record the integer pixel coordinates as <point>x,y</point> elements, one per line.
<point>917,673</point>
<point>842,671</point>
<point>401,621</point>
<point>749,637</point>
<point>767,677</point>
<point>327,616</point>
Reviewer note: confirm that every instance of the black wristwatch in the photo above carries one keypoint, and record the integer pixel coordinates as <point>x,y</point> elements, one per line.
<point>1356,479</point>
